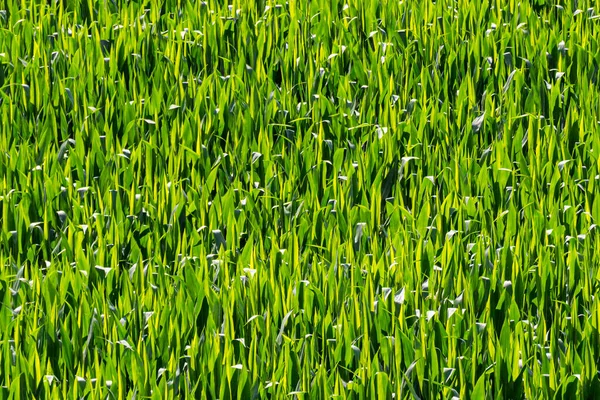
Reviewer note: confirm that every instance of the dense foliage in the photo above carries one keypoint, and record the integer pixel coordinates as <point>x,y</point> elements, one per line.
<point>301,199</point>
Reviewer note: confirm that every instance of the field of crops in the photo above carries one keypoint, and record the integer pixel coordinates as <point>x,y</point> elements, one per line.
<point>299,199</point>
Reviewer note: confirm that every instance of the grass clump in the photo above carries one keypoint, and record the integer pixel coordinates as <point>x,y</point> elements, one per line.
<point>265,199</point>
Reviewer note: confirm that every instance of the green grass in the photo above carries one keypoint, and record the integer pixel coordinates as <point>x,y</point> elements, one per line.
<point>302,199</point>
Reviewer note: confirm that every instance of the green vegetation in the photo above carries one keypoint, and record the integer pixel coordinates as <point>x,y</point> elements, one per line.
<point>301,199</point>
